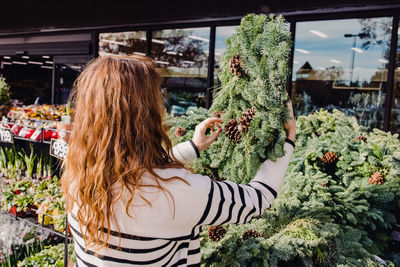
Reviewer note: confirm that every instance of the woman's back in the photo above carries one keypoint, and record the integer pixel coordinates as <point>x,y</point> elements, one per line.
<point>166,233</point>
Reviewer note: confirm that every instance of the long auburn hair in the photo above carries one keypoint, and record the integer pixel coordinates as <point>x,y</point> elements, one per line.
<point>118,135</point>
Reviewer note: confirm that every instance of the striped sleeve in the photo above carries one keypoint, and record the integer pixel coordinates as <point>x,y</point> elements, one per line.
<point>229,202</point>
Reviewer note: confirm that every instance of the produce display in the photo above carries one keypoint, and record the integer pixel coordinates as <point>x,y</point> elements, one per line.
<point>32,130</point>
<point>39,112</point>
<point>38,123</point>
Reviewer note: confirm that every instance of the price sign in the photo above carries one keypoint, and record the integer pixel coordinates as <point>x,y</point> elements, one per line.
<point>23,132</point>
<point>6,136</point>
<point>58,148</point>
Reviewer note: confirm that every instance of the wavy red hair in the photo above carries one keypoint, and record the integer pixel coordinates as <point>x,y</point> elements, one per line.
<point>118,135</point>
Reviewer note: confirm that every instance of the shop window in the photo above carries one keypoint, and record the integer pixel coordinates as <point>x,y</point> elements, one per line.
<point>221,34</point>
<point>122,43</point>
<point>181,56</point>
<point>395,115</point>
<point>342,64</point>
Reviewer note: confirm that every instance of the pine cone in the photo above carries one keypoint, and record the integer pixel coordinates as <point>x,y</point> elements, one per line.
<point>361,138</point>
<point>329,158</point>
<point>246,119</point>
<point>233,131</point>
<point>180,131</point>
<point>218,114</point>
<point>236,66</point>
<point>376,178</point>
<point>216,233</point>
<point>250,234</point>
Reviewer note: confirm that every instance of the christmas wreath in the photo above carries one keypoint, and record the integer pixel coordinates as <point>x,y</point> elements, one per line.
<point>250,101</point>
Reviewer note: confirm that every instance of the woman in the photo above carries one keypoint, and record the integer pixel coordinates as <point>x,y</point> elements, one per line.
<point>130,199</point>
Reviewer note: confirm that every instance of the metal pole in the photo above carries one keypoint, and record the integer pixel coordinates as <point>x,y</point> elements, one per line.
<point>149,36</point>
<point>289,82</point>
<point>352,59</point>
<point>53,83</point>
<point>66,243</point>
<point>390,79</point>
<point>210,70</point>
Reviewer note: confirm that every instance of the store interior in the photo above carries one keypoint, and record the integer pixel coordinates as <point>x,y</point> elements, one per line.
<point>31,78</point>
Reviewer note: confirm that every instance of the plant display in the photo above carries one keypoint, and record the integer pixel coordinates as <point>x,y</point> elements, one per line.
<point>50,256</point>
<point>28,188</point>
<point>18,164</point>
<point>44,197</point>
<point>4,92</point>
<point>18,196</point>
<point>328,212</point>
<point>251,101</point>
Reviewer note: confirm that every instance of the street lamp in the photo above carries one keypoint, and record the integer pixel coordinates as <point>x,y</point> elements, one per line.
<point>349,35</point>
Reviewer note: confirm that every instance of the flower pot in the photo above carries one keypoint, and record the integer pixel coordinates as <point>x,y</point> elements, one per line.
<point>16,213</point>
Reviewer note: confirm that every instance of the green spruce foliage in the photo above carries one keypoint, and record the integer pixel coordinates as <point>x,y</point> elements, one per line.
<point>325,215</point>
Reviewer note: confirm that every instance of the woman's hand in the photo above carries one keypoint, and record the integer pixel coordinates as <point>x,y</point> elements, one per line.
<point>290,126</point>
<point>200,139</point>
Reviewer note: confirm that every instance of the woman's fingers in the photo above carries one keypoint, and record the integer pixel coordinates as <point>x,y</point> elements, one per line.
<point>201,140</point>
<point>209,123</point>
<point>290,126</point>
<point>214,136</point>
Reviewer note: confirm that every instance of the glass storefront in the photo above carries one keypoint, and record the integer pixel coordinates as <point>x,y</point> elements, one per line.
<point>221,34</point>
<point>181,56</point>
<point>342,64</point>
<point>122,43</point>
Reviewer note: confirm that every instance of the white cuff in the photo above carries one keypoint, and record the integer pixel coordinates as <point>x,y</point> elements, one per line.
<point>184,152</point>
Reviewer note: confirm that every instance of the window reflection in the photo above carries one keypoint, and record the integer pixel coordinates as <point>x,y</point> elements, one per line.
<point>122,43</point>
<point>342,64</point>
<point>221,34</point>
<point>181,56</point>
<point>395,114</point>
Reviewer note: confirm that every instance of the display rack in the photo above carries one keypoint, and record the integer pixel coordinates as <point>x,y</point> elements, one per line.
<point>33,222</point>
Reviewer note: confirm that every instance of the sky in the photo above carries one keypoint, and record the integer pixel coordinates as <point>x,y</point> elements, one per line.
<point>335,49</point>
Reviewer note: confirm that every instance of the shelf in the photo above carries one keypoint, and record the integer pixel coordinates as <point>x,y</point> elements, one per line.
<point>33,222</point>
<point>25,139</point>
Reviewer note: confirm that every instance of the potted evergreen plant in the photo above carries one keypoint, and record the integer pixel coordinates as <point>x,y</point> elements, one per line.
<point>5,100</point>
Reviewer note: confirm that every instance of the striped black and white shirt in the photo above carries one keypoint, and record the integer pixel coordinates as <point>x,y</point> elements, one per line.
<point>167,232</point>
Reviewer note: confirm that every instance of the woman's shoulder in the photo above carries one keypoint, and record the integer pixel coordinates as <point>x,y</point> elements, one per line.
<point>193,182</point>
